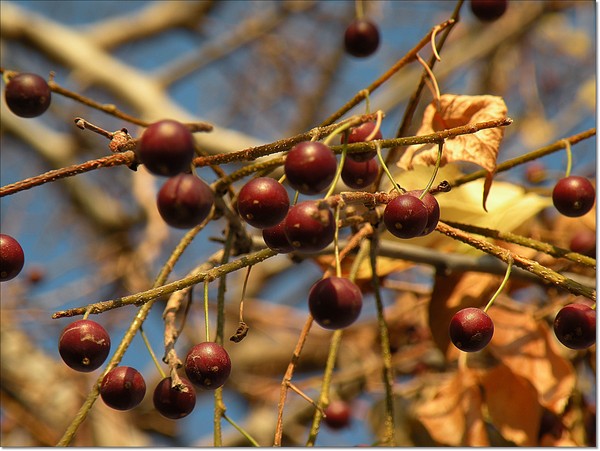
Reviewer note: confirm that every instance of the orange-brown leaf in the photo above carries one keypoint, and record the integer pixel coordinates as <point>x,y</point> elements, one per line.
<point>513,405</point>
<point>525,345</point>
<point>453,416</point>
<point>480,148</point>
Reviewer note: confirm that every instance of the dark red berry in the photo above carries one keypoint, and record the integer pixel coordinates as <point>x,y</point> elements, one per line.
<point>123,388</point>
<point>184,201</point>
<point>536,172</point>
<point>335,302</point>
<point>359,174</point>
<point>471,329</point>
<point>166,148</point>
<point>263,202</point>
<point>575,326</point>
<point>276,239</point>
<point>84,345</point>
<point>174,402</point>
<point>573,196</point>
<point>308,227</point>
<point>27,95</point>
<point>337,414</point>
<point>12,258</point>
<point>207,365</point>
<point>310,167</point>
<point>360,134</point>
<point>488,10</point>
<point>584,242</point>
<point>433,210</point>
<point>361,38</point>
<point>406,216</point>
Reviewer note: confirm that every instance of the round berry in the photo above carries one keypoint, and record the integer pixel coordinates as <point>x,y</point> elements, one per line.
<point>584,242</point>
<point>27,95</point>
<point>207,365</point>
<point>337,414</point>
<point>573,196</point>
<point>174,402</point>
<point>536,172</point>
<point>276,239</point>
<point>471,329</point>
<point>263,202</point>
<point>360,134</point>
<point>310,167</point>
<point>575,326</point>
<point>184,201</point>
<point>84,345</point>
<point>406,216</point>
<point>166,148</point>
<point>308,227</point>
<point>335,302</point>
<point>361,38</point>
<point>12,258</point>
<point>433,210</point>
<point>123,388</point>
<point>488,10</point>
<point>359,174</point>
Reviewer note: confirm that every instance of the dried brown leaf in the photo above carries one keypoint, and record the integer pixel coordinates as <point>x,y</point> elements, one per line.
<point>453,416</point>
<point>513,405</point>
<point>480,148</point>
<point>527,347</point>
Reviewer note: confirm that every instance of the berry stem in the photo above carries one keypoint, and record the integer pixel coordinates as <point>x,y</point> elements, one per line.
<point>502,285</point>
<point>436,89</point>
<point>152,355</point>
<point>435,170</point>
<point>360,9</point>
<point>387,171</point>
<point>377,126</point>
<point>241,431</point>
<point>569,158</point>
<point>338,172</point>
<point>336,247</point>
<point>206,282</point>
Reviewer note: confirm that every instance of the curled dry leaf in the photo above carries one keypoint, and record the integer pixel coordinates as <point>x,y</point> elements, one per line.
<point>528,348</point>
<point>453,416</point>
<point>519,419</point>
<point>480,148</point>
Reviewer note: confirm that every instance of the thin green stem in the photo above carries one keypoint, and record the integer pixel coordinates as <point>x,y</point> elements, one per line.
<point>360,10</point>
<point>435,170</point>
<point>435,88</point>
<point>569,158</point>
<point>152,355</point>
<point>241,431</point>
<point>338,173</point>
<point>206,323</point>
<point>387,171</point>
<point>502,285</point>
<point>336,247</point>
